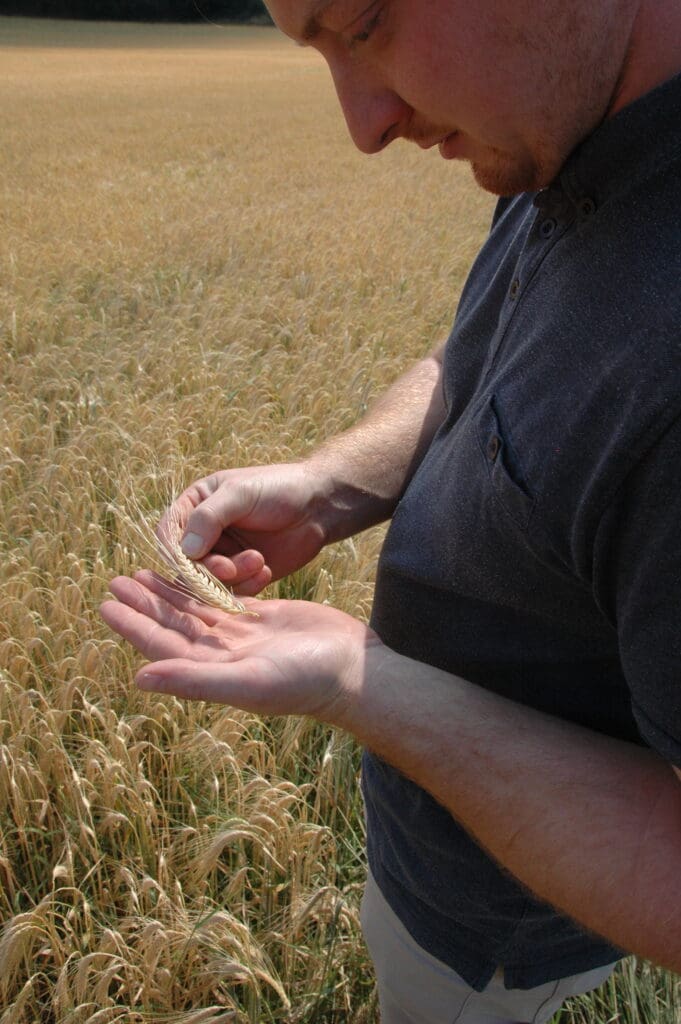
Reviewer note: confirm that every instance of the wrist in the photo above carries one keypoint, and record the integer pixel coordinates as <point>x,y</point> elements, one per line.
<point>344,508</point>
<point>367,671</point>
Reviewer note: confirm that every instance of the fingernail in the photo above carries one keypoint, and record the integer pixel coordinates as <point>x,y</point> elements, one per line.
<point>192,545</point>
<point>148,681</point>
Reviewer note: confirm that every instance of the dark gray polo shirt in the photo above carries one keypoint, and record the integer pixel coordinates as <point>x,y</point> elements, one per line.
<point>537,549</point>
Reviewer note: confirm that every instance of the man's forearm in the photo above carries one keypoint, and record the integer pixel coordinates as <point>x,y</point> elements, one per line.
<point>589,823</point>
<point>371,464</point>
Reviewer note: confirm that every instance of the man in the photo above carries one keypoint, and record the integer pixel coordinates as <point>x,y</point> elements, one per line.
<point>519,693</point>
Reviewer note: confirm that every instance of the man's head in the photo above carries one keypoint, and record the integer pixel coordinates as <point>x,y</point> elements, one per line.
<point>509,85</point>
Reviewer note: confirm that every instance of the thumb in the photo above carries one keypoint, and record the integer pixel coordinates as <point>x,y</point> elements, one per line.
<point>206,519</point>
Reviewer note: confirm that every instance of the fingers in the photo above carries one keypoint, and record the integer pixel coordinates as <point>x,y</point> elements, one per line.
<point>166,602</point>
<point>163,623</point>
<point>254,585</point>
<point>240,568</point>
<point>246,683</point>
<point>246,575</point>
<point>185,678</point>
<point>153,638</point>
<point>189,606</point>
<point>155,597</point>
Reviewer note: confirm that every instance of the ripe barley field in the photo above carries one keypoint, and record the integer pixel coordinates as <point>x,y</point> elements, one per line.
<point>196,271</point>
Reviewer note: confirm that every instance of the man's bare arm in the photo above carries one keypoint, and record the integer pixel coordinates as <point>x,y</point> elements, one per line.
<point>258,523</point>
<point>369,466</point>
<point>589,823</point>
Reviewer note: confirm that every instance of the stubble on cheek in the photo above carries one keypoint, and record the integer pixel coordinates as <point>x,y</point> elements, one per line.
<point>556,98</point>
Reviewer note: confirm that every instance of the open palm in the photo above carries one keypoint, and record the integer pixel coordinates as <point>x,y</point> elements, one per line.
<point>295,657</point>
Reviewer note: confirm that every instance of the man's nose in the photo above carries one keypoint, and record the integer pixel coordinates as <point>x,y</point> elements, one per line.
<point>374,114</point>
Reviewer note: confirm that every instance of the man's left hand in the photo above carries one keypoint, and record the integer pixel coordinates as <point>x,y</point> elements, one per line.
<point>295,658</point>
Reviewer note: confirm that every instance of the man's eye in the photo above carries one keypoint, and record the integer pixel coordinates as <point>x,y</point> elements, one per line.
<point>369,25</point>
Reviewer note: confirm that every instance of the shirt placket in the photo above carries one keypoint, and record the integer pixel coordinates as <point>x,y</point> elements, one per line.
<point>553,217</point>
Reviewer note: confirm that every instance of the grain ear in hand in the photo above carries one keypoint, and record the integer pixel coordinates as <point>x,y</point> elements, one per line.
<point>190,578</point>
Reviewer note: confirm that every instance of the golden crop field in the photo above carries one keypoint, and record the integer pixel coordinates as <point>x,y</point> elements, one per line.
<point>197,271</point>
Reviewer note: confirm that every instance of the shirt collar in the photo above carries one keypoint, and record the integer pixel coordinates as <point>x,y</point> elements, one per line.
<point>640,139</point>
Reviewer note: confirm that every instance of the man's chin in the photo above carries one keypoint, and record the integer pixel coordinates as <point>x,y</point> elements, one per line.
<point>503,177</point>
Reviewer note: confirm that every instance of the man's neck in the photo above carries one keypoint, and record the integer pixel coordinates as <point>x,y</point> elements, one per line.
<point>654,52</point>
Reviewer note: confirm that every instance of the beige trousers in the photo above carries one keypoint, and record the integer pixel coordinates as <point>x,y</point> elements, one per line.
<point>416,988</point>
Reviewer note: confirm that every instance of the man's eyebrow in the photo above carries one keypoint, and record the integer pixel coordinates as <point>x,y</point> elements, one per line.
<point>312,28</point>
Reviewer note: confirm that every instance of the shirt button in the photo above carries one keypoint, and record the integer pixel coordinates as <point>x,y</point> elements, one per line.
<point>493,446</point>
<point>586,206</point>
<point>514,289</point>
<point>547,227</point>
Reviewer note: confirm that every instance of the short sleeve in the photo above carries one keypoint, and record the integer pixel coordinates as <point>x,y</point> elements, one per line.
<point>638,584</point>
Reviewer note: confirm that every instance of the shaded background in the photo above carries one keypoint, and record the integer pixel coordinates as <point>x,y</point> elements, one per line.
<point>141,10</point>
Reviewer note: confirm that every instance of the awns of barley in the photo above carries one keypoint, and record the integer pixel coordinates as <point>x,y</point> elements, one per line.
<point>190,578</point>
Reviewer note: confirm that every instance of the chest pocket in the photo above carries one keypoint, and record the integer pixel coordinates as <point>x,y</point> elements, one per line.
<point>503,463</point>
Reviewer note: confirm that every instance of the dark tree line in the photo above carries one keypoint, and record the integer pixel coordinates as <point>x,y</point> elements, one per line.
<point>139,10</point>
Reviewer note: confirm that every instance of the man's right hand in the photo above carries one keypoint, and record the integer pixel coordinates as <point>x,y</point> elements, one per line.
<point>251,526</point>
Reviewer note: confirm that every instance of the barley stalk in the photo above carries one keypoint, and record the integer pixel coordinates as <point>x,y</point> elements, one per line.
<point>190,578</point>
